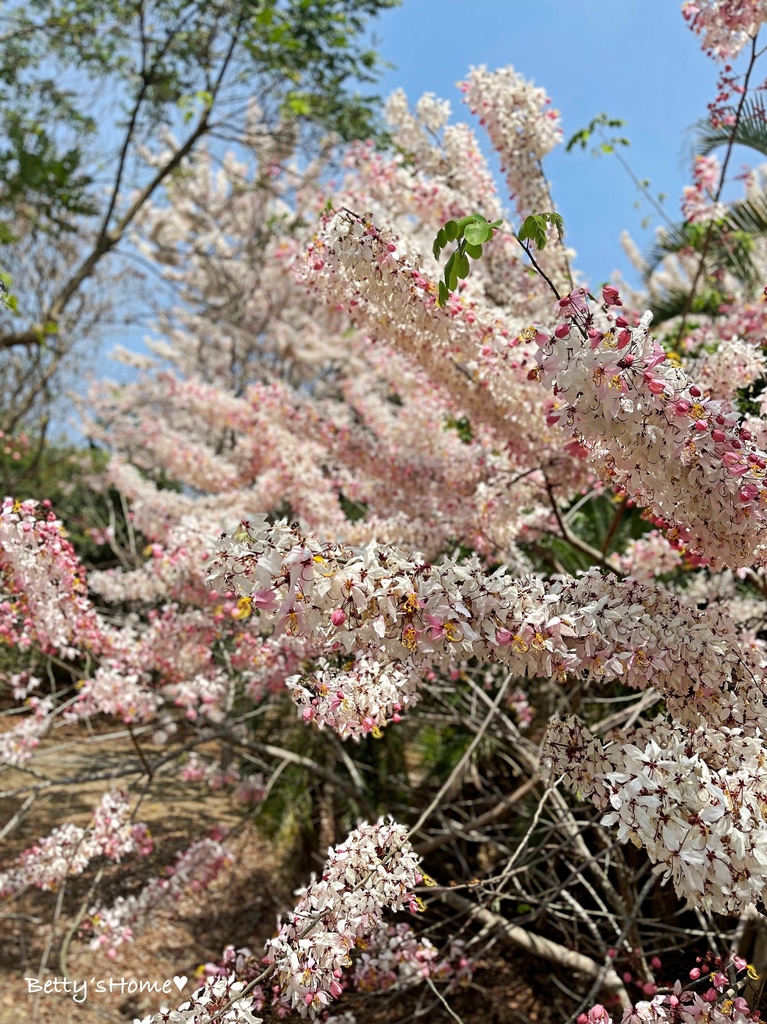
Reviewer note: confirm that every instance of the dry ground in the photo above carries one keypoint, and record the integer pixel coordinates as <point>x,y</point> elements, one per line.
<point>240,907</point>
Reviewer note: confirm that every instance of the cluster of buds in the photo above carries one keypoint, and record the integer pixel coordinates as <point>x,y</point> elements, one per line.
<point>654,433</point>
<point>707,998</point>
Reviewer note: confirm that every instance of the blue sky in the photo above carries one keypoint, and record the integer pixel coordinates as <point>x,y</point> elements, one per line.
<point>633,59</point>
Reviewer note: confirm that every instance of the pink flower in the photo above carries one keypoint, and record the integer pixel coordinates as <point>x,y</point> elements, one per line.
<point>264,599</point>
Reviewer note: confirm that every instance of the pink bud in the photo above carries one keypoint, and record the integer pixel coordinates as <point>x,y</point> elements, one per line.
<point>695,392</point>
<point>718,436</point>
<point>694,974</point>
<point>338,617</point>
<point>563,331</point>
<point>655,963</point>
<point>611,296</point>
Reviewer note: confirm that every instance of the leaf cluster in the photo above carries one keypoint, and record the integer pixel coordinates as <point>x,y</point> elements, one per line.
<point>608,144</point>
<point>153,58</point>
<point>534,228</point>
<point>470,234</point>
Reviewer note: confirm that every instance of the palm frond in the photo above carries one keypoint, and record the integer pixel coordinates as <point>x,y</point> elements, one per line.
<point>731,244</point>
<point>670,304</point>
<point>750,131</point>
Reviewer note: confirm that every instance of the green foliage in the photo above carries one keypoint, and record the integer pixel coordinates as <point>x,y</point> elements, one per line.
<point>670,304</point>
<point>608,144</point>
<point>534,228</point>
<point>160,59</point>
<point>470,233</point>
<point>729,244</point>
<point>592,522</point>
<point>462,427</point>
<point>39,180</point>
<point>353,510</point>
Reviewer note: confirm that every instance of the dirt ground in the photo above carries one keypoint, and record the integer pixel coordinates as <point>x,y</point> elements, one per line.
<point>240,907</point>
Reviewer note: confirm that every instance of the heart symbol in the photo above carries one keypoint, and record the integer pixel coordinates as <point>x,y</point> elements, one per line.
<point>180,982</point>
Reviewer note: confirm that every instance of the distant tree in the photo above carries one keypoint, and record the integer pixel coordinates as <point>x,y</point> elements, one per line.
<point>89,86</point>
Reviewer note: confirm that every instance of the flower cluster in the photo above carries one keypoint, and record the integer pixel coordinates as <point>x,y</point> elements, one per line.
<point>374,868</point>
<point>515,115</point>
<point>707,997</point>
<point>394,956</point>
<point>18,743</point>
<point>408,611</point>
<point>69,848</point>
<point>725,25</point>
<point>694,797</point>
<point>219,1001</point>
<point>698,205</point>
<point>123,921</point>
<point>355,699</point>
<point>43,597</point>
<point>655,434</point>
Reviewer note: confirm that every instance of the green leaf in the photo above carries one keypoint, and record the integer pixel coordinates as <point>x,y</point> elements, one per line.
<point>451,230</point>
<point>475,251</point>
<point>556,220</point>
<point>580,138</point>
<point>462,266</point>
<point>534,229</point>
<point>444,294</point>
<point>476,234</point>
